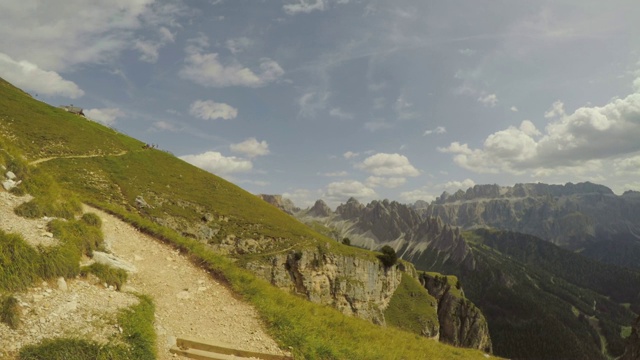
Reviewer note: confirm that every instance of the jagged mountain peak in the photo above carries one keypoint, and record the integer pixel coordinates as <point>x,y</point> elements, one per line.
<point>320,209</point>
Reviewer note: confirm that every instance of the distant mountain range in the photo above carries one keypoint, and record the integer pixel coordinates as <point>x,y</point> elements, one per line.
<point>541,300</point>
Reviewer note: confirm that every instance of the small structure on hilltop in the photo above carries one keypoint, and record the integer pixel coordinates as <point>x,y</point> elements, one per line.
<point>72,109</point>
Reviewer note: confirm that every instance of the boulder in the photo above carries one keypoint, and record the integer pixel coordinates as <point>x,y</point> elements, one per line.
<point>113,261</point>
<point>10,175</point>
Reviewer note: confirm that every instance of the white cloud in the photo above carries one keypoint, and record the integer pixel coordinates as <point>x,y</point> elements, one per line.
<point>350,154</point>
<point>217,163</point>
<point>211,110</point>
<point>437,130</point>
<point>334,174</point>
<point>452,186</point>
<point>29,76</point>
<point>338,113</point>
<point>342,190</point>
<point>514,109</point>
<point>431,191</point>
<point>418,194</point>
<point>383,164</point>
<point>312,102</point>
<point>207,70</point>
<point>149,50</point>
<point>58,35</point>
<point>303,197</point>
<point>238,45</point>
<point>490,100</point>
<point>251,147</point>
<point>304,6</point>
<point>627,166</point>
<point>577,142</point>
<point>388,182</point>
<point>106,116</point>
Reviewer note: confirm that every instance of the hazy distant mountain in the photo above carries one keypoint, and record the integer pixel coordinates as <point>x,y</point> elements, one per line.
<point>540,300</point>
<point>583,217</point>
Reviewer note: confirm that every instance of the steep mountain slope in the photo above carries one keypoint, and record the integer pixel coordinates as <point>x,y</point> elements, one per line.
<point>204,216</point>
<point>575,216</point>
<point>632,351</point>
<point>540,301</point>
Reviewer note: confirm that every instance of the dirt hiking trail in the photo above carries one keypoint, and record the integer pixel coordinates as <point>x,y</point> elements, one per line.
<point>188,300</point>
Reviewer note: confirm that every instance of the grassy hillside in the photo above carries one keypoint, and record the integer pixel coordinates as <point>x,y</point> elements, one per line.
<point>95,164</point>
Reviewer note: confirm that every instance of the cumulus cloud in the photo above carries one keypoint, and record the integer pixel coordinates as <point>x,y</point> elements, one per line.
<point>29,76</point>
<point>350,154</point>
<point>388,182</point>
<point>217,163</point>
<point>251,147</point>
<point>576,142</point>
<point>106,116</point>
<point>211,110</point>
<point>437,130</point>
<point>383,164</point>
<point>458,185</point>
<point>418,194</point>
<point>490,100</point>
<point>207,70</point>
<point>342,190</point>
<point>514,109</point>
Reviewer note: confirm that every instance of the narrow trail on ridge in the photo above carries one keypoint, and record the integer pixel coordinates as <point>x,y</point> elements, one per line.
<point>189,302</point>
<point>36,162</point>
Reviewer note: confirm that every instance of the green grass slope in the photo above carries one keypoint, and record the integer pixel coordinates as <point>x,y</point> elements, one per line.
<point>95,164</point>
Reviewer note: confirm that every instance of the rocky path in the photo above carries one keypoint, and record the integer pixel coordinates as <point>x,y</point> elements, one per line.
<point>188,301</point>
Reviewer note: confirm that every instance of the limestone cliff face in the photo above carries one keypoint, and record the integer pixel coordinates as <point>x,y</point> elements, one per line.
<point>461,322</point>
<point>281,203</point>
<point>632,351</point>
<point>567,215</point>
<point>355,286</point>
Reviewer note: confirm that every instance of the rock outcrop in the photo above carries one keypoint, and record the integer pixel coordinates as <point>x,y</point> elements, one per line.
<point>632,351</point>
<point>281,203</point>
<point>356,286</point>
<point>461,322</point>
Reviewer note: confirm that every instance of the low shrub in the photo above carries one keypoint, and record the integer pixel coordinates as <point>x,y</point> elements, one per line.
<point>388,257</point>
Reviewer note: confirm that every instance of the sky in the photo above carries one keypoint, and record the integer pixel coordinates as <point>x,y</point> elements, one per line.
<point>333,99</point>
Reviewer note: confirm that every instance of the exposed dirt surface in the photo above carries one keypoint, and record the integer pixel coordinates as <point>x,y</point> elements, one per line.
<point>188,301</point>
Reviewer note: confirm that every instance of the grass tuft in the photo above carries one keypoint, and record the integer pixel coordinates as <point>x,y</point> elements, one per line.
<point>10,312</point>
<point>111,276</point>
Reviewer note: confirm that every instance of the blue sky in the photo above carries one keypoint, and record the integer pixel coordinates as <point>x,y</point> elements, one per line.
<point>336,98</point>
